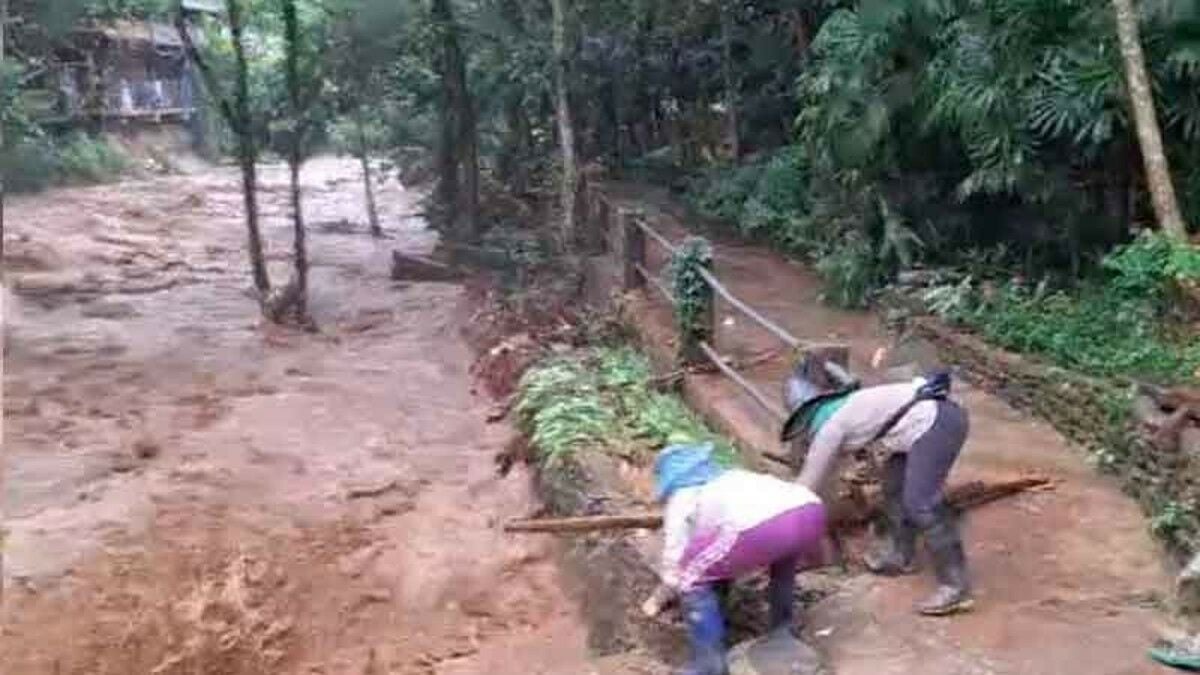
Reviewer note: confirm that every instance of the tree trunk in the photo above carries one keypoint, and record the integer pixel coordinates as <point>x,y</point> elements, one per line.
<point>3,30</point>
<point>237,114</point>
<point>566,129</point>
<point>291,27</point>
<point>372,211</point>
<point>300,250</point>
<point>730,82</point>
<point>458,149</point>
<point>1141,99</point>
<point>468,146</point>
<point>248,150</point>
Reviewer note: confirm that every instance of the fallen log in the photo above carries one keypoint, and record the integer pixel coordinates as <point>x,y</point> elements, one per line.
<point>415,268</point>
<point>962,497</point>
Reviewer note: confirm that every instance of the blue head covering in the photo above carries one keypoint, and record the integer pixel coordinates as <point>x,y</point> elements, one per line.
<point>680,466</point>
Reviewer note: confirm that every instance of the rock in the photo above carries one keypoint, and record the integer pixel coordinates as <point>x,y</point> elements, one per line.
<point>776,654</point>
<point>1189,442</point>
<point>355,564</point>
<point>1188,587</point>
<point>416,268</point>
<point>146,448</point>
<point>108,309</point>
<point>394,507</point>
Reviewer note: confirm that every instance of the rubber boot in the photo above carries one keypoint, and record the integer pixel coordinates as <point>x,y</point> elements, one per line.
<point>894,553</point>
<point>706,631</point>
<point>781,595</point>
<point>953,593</point>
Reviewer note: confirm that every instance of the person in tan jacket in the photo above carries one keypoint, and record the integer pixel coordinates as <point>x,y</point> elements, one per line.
<point>920,433</point>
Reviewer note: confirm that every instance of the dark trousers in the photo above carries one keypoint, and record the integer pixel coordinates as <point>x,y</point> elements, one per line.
<point>917,478</point>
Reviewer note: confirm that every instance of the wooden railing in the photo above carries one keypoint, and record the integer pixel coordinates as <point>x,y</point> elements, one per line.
<point>634,232</point>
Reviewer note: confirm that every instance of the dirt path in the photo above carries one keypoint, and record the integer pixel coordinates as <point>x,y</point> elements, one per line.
<point>189,491</point>
<point>1069,581</point>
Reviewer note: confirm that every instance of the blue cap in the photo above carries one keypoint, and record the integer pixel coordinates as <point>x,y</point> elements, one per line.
<point>680,466</point>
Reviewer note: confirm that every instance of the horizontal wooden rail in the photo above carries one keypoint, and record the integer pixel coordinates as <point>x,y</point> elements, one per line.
<point>772,327</point>
<point>658,237</point>
<point>655,282</point>
<point>759,397</point>
<point>696,345</point>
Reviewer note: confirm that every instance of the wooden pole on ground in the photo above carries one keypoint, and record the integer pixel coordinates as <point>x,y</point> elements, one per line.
<point>965,496</point>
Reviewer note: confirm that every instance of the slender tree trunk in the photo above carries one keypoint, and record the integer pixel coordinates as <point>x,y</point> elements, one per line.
<point>1141,99</point>
<point>3,30</point>
<point>458,151</point>
<point>566,128</point>
<point>468,146</point>
<point>372,211</point>
<point>237,114</point>
<point>730,82</point>
<point>299,246</point>
<point>291,29</point>
<point>248,150</point>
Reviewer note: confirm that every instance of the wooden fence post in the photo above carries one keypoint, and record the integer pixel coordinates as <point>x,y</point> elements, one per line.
<point>633,248</point>
<point>603,217</point>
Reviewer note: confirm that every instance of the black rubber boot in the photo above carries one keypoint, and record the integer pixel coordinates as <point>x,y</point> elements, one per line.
<point>781,594</point>
<point>953,593</point>
<point>894,553</point>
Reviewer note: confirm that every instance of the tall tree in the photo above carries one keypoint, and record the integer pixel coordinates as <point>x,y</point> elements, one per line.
<point>364,158</point>
<point>1141,99</point>
<point>366,41</point>
<point>300,99</point>
<point>3,30</point>
<point>458,145</point>
<point>729,79</point>
<point>569,185</point>
<point>236,111</point>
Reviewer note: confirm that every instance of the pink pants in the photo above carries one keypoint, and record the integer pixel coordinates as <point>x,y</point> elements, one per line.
<point>715,555</point>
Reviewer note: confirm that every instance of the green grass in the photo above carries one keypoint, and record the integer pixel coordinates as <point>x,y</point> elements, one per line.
<point>603,399</point>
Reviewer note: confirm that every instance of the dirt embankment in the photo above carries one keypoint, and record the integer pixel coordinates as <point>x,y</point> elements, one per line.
<point>189,490</point>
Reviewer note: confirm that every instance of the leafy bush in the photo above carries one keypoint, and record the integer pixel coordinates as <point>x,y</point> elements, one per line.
<point>37,162</point>
<point>1149,266</point>
<point>1099,329</point>
<point>29,165</point>
<point>90,159</point>
<point>602,398</point>
<point>850,270</point>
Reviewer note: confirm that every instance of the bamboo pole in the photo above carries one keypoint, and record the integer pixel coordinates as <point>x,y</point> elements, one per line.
<point>965,496</point>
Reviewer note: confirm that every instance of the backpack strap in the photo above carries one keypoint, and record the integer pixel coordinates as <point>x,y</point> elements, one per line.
<point>936,388</point>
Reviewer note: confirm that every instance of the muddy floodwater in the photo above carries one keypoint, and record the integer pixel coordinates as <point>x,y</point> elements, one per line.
<point>189,490</point>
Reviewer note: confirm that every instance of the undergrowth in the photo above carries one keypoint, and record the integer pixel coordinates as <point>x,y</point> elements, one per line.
<point>604,399</point>
<point>37,163</point>
<point>1120,325</point>
<point>854,243</point>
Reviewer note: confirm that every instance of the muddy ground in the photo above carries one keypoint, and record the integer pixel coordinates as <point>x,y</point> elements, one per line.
<point>1067,580</point>
<point>189,490</point>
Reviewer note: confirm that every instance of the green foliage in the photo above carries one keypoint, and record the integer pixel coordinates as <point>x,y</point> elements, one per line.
<point>90,159</point>
<point>692,294</point>
<point>1174,521</point>
<point>850,271</point>
<point>1149,266</point>
<point>38,162</point>
<point>603,399</point>
<point>1098,329</point>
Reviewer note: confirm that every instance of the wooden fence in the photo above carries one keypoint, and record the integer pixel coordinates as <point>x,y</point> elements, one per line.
<point>605,219</point>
